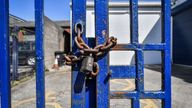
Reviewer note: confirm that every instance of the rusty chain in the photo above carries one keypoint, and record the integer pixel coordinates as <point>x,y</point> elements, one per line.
<point>84,49</point>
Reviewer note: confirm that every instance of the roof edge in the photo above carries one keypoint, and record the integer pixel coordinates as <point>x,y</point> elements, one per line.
<point>126,4</point>
<point>181,7</point>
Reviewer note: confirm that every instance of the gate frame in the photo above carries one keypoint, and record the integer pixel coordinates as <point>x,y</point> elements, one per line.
<point>86,96</point>
<point>137,72</point>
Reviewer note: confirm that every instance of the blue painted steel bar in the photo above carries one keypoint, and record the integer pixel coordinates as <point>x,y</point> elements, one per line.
<point>139,71</point>
<point>154,47</point>
<point>133,94</point>
<point>125,47</point>
<point>134,21</point>
<point>78,78</point>
<point>134,40</point>
<point>122,72</point>
<point>101,28</point>
<point>139,82</point>
<point>135,102</point>
<point>91,93</point>
<point>4,55</point>
<point>91,84</point>
<point>40,78</point>
<point>166,81</point>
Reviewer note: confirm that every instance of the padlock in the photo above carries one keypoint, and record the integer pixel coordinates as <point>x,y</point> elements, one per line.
<point>87,65</point>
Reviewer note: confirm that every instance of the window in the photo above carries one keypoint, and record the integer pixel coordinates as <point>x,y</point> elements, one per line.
<point>23,46</point>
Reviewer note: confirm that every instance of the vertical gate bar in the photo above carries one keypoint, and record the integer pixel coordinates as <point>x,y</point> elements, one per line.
<point>139,71</point>
<point>166,33</point>
<point>101,28</point>
<point>134,21</point>
<point>91,93</point>
<point>78,78</point>
<point>40,74</point>
<point>139,77</point>
<point>4,55</point>
<point>135,103</point>
<point>91,84</point>
<point>139,57</point>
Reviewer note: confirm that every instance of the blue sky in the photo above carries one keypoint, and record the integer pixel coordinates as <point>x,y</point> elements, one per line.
<point>54,9</point>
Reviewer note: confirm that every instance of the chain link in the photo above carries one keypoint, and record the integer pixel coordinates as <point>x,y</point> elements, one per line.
<point>84,49</point>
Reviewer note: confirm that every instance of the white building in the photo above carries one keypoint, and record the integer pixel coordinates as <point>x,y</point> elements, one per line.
<point>119,26</point>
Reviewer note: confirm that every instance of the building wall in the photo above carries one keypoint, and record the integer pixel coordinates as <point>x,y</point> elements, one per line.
<point>182,36</point>
<point>52,34</point>
<point>119,26</point>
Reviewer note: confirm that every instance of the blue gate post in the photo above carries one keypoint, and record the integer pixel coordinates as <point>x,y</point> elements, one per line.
<point>166,39</point>
<point>101,29</point>
<point>78,78</point>
<point>40,78</point>
<point>138,52</point>
<point>4,55</point>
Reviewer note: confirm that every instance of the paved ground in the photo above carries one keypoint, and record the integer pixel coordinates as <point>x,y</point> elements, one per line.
<point>58,89</point>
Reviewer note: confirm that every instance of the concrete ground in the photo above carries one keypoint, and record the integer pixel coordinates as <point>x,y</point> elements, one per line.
<point>58,89</point>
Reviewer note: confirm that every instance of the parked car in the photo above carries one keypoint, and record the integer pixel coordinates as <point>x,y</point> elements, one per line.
<point>26,53</point>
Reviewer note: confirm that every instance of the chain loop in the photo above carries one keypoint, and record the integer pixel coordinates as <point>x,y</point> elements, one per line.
<point>96,69</point>
<point>85,50</point>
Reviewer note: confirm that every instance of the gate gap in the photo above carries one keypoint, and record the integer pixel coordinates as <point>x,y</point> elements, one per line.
<point>120,103</point>
<point>125,58</point>
<point>149,24</point>
<point>122,84</point>
<point>153,67</point>
<point>57,42</point>
<point>117,25</point>
<point>151,103</point>
<point>22,54</point>
<point>90,19</point>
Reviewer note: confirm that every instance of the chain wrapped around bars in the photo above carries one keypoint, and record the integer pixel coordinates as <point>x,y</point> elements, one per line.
<point>85,50</point>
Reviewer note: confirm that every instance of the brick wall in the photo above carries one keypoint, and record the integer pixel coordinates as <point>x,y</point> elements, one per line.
<point>52,35</point>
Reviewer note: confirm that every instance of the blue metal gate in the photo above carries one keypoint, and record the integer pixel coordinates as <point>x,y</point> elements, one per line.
<point>93,93</point>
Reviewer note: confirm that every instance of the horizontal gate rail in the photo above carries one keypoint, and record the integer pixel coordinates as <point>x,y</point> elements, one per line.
<point>146,47</point>
<point>133,94</point>
<point>122,72</point>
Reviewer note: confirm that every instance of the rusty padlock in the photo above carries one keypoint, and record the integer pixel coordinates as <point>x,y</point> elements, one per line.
<point>87,64</point>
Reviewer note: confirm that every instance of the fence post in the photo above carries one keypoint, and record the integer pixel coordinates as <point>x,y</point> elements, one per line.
<point>40,74</point>
<point>78,78</point>
<point>101,28</point>
<point>166,58</point>
<point>4,55</point>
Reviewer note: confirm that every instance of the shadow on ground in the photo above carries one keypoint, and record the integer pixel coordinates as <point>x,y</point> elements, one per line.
<point>182,72</point>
